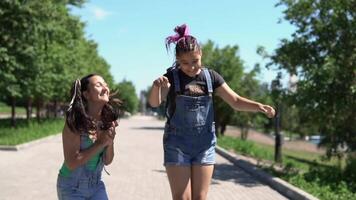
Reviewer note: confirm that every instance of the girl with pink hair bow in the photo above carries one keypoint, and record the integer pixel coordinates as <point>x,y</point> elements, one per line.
<point>189,135</point>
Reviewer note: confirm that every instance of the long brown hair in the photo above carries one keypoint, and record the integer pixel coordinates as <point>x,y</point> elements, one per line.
<point>77,117</point>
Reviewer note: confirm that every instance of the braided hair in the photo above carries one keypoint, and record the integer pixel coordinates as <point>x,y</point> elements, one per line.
<point>183,41</point>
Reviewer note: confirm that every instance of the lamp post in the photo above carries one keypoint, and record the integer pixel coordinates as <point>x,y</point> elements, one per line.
<point>276,92</point>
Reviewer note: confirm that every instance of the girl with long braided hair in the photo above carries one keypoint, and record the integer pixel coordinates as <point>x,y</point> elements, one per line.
<point>88,139</point>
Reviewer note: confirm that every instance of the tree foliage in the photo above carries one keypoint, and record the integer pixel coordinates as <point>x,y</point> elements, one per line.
<point>127,93</point>
<point>42,50</point>
<point>227,63</point>
<point>322,52</point>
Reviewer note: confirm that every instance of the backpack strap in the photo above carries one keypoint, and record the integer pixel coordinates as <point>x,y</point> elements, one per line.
<point>176,80</point>
<point>208,80</point>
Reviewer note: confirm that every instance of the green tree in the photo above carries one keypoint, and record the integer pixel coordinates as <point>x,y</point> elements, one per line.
<point>53,31</point>
<point>43,49</point>
<point>226,62</point>
<point>252,89</point>
<point>16,24</point>
<point>127,93</point>
<point>322,52</point>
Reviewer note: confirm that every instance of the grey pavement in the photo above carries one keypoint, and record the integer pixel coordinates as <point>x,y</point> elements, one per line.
<point>137,172</point>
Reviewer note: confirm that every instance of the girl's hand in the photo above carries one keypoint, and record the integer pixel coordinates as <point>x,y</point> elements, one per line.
<point>162,82</point>
<point>115,123</point>
<point>267,110</point>
<point>112,130</point>
<point>105,137</point>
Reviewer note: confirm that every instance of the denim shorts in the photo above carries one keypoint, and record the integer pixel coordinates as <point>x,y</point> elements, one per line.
<point>68,189</point>
<point>189,148</point>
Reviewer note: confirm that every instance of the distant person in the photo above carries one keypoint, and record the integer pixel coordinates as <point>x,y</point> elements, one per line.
<point>189,136</point>
<point>88,139</point>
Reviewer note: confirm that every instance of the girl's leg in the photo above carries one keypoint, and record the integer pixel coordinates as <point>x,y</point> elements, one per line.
<point>201,178</point>
<point>179,180</point>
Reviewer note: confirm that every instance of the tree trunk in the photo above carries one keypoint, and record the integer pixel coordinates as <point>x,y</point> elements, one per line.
<point>48,110</point>
<point>223,128</point>
<point>55,108</point>
<point>29,109</point>
<point>278,139</point>
<point>13,113</point>
<point>38,109</point>
<point>243,133</point>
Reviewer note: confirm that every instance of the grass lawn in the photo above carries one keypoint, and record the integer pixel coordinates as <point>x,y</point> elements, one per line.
<point>308,171</point>
<point>4,109</point>
<point>28,131</point>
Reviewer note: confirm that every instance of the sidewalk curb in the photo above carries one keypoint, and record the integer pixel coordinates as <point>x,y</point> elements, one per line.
<point>26,145</point>
<point>278,184</point>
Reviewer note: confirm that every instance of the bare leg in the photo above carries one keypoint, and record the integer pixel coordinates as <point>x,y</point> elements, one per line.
<point>201,179</point>
<point>179,180</point>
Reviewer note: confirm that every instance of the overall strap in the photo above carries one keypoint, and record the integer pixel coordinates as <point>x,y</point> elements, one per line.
<point>176,80</point>
<point>84,141</point>
<point>208,80</point>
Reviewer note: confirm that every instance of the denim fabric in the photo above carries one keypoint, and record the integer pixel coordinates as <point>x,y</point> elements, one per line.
<point>189,138</point>
<point>82,183</point>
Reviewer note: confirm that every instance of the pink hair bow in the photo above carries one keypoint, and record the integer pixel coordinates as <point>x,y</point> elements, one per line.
<point>181,31</point>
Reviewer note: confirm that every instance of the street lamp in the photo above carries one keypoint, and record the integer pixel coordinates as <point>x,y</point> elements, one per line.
<point>276,93</point>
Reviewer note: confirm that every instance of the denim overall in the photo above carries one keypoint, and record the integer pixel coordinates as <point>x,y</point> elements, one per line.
<point>82,183</point>
<point>189,137</point>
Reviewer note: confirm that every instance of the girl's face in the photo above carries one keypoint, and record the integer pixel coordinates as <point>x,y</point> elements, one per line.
<point>98,90</point>
<point>190,62</point>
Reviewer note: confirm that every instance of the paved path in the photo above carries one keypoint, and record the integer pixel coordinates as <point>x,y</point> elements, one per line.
<point>137,172</point>
<point>296,145</point>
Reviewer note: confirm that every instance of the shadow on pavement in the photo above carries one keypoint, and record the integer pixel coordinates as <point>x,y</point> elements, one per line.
<point>225,172</point>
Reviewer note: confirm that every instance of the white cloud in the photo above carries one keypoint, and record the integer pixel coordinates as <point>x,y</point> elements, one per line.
<point>100,13</point>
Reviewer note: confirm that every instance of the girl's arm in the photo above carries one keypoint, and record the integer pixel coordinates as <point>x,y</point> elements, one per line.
<point>109,151</point>
<point>109,154</point>
<point>73,157</point>
<point>159,91</point>
<point>242,104</point>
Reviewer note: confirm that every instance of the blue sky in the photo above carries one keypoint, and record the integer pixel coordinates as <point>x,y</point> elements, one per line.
<point>131,33</point>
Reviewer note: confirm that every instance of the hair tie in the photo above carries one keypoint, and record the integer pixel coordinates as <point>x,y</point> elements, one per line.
<point>77,82</point>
